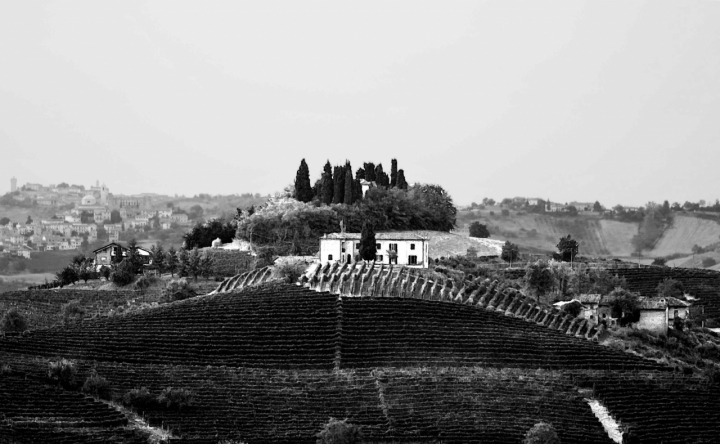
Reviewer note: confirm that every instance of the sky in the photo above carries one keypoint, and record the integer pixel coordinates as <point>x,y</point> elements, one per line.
<point>615,101</point>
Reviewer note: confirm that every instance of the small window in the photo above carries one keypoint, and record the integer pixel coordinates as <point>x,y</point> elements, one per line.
<point>379,257</point>
<point>412,260</point>
<point>329,257</point>
<point>357,245</point>
<point>377,246</point>
<point>604,315</point>
<point>412,246</point>
<point>343,249</point>
<point>393,247</point>
<point>592,317</point>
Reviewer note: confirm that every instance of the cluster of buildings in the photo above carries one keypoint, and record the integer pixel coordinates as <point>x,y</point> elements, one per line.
<point>92,211</point>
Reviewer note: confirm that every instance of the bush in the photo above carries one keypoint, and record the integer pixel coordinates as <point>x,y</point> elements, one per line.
<point>13,321</point>
<point>62,372</point>
<point>123,274</point>
<point>479,230</point>
<point>97,386</point>
<point>708,262</point>
<point>176,398</point>
<point>143,283</point>
<point>510,252</point>
<point>177,290</point>
<point>573,308</point>
<point>505,212</point>
<point>678,324</point>
<point>339,432</point>
<point>139,398</point>
<point>290,271</point>
<point>72,311</point>
<point>541,433</point>
<point>671,288</point>
<point>659,261</point>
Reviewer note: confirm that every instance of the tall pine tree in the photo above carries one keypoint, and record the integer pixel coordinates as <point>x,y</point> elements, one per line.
<point>368,249</point>
<point>303,189</point>
<point>358,190</point>
<point>349,185</point>
<point>360,173</point>
<point>401,182</point>
<point>393,173</point>
<point>327,185</point>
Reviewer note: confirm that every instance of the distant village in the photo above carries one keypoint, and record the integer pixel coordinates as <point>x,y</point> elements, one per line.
<point>84,215</point>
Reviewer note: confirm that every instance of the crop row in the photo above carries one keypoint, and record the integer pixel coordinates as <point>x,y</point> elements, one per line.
<point>424,404</point>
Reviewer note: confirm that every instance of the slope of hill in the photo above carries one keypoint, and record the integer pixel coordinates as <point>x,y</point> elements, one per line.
<point>271,363</point>
<point>685,232</point>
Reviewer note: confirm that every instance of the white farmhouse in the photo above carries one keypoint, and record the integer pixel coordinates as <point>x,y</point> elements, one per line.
<point>397,247</point>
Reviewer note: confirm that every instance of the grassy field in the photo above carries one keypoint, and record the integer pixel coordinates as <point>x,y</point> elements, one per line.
<point>686,232</point>
<point>19,214</point>
<point>35,278</point>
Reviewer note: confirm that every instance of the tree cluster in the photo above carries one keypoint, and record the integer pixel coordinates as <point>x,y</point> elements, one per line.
<point>294,227</point>
<point>202,234</point>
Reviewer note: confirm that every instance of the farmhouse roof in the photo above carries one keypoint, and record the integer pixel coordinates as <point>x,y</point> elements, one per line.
<point>382,235</point>
<point>589,298</point>
<point>141,251</point>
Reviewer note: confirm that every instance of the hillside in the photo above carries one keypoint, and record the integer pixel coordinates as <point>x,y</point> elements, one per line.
<point>271,363</point>
<point>685,232</point>
<point>597,237</point>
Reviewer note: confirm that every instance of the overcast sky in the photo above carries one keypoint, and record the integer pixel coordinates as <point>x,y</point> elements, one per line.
<point>611,101</point>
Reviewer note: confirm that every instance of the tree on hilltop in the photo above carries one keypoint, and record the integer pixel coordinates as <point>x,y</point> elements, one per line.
<point>339,184</point>
<point>401,183</point>
<point>393,173</point>
<point>510,252</point>
<point>370,172</point>
<point>597,207</point>
<point>368,247</point>
<point>327,188</point>
<point>303,189</point>
<point>349,187</point>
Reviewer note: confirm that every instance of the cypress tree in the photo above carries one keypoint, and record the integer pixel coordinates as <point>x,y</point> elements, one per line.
<point>370,172</point>
<point>327,185</point>
<point>303,189</point>
<point>358,190</point>
<point>401,182</point>
<point>339,185</point>
<point>349,185</point>
<point>379,174</point>
<point>360,173</point>
<point>393,173</point>
<point>368,248</point>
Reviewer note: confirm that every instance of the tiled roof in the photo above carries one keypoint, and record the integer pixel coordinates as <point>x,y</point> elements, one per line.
<point>381,235</point>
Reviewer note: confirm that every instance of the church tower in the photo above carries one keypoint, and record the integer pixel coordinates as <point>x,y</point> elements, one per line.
<point>13,185</point>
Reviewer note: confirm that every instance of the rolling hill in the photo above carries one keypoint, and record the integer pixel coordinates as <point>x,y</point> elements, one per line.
<point>270,363</point>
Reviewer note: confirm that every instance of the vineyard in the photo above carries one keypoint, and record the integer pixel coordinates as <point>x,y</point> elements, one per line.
<point>269,362</point>
<point>43,308</point>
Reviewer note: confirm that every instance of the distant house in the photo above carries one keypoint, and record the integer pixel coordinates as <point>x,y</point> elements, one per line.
<point>106,255</point>
<point>397,247</point>
<point>179,218</point>
<point>656,314</point>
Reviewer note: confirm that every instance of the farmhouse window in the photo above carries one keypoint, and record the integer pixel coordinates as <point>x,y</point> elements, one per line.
<point>329,257</point>
<point>379,257</point>
<point>343,249</point>
<point>393,247</point>
<point>675,314</point>
<point>412,260</point>
<point>412,246</point>
<point>377,246</point>
<point>357,245</point>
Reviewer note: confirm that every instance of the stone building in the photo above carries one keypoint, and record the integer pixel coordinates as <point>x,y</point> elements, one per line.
<point>393,247</point>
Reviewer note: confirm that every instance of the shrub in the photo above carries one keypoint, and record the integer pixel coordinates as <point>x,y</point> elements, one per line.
<point>541,433</point>
<point>659,261</point>
<point>339,432</point>
<point>123,274</point>
<point>105,272</point>
<point>97,386</point>
<point>477,229</point>
<point>671,288</point>
<point>678,324</point>
<point>142,283</point>
<point>290,271</point>
<point>176,398</point>
<point>505,212</point>
<point>72,311</point>
<point>510,252</point>
<point>573,308</point>
<point>13,321</point>
<point>139,398</point>
<point>177,290</point>
<point>62,372</point>
<point>708,262</point>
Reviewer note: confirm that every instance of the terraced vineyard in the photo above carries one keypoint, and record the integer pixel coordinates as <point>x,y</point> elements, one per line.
<point>271,362</point>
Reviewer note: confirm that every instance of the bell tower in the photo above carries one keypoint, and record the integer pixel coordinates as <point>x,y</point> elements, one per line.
<point>13,185</point>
